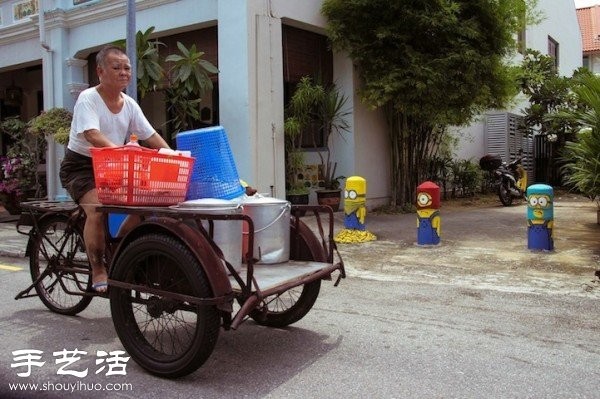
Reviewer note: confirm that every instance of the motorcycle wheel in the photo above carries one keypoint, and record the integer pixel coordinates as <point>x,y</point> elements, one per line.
<point>504,194</point>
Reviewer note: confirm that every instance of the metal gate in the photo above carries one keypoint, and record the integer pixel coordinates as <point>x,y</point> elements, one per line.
<point>503,137</point>
<point>547,170</point>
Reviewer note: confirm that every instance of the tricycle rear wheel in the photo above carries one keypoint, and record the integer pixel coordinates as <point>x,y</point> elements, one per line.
<point>164,334</point>
<point>57,253</point>
<point>292,305</point>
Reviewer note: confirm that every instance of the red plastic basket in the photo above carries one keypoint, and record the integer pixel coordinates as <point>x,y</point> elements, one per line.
<point>140,176</point>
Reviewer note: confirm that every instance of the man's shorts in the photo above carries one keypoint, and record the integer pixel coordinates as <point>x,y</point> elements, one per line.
<point>77,174</point>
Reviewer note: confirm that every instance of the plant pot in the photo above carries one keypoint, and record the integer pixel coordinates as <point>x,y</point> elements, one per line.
<point>330,197</point>
<point>11,204</point>
<point>297,199</point>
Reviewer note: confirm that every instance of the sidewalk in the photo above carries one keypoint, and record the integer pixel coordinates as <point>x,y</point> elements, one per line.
<point>483,246</point>
<point>12,244</point>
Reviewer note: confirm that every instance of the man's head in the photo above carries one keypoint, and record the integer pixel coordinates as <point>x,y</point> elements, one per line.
<point>113,67</point>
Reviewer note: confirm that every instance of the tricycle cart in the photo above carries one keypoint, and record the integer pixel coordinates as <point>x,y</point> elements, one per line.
<point>171,288</point>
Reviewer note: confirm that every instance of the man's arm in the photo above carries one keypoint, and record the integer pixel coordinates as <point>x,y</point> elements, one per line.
<point>97,139</point>
<point>156,141</point>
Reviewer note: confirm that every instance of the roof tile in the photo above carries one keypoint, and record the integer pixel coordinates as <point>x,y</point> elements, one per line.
<point>589,25</point>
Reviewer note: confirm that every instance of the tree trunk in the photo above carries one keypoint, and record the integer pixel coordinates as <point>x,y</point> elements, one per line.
<point>412,143</point>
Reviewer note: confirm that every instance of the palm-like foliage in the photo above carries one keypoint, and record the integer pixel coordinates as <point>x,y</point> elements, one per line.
<point>294,158</point>
<point>582,156</point>
<point>320,110</point>
<point>149,71</point>
<point>333,119</point>
<point>191,70</point>
<point>189,79</point>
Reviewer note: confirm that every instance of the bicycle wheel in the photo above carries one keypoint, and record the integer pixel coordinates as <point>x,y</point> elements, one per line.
<point>164,334</point>
<point>58,254</point>
<point>292,305</point>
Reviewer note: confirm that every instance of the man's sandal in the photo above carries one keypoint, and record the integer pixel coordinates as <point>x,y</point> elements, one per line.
<point>100,287</point>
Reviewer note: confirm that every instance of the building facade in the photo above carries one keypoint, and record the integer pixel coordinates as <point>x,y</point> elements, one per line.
<point>252,42</point>
<point>261,48</point>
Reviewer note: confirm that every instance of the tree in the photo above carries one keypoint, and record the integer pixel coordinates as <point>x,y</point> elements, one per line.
<point>582,153</point>
<point>551,100</point>
<point>428,64</point>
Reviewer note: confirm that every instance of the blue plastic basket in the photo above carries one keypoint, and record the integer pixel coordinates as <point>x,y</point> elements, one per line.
<point>214,174</point>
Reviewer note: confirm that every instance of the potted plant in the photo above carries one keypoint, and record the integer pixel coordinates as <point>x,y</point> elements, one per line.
<point>189,79</point>
<point>185,82</point>
<point>328,116</point>
<point>18,169</point>
<point>55,122</point>
<point>295,191</point>
<point>301,119</point>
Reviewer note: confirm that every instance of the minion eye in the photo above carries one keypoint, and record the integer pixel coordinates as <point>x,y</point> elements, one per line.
<point>533,201</point>
<point>543,202</point>
<point>345,193</point>
<point>423,199</point>
<point>352,194</point>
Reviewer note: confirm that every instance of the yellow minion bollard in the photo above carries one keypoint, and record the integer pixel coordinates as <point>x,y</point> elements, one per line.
<point>355,211</point>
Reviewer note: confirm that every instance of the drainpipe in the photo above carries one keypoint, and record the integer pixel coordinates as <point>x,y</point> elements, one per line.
<point>131,49</point>
<point>48,90</point>
<point>42,25</point>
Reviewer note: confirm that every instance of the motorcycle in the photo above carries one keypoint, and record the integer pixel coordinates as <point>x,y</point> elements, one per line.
<point>509,178</point>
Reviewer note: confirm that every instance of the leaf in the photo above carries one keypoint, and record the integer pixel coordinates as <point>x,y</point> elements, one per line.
<point>208,66</point>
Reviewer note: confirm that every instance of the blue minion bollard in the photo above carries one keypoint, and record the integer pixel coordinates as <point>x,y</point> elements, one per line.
<point>540,217</point>
<point>428,214</point>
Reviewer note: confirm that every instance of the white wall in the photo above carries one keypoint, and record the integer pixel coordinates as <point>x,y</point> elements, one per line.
<point>559,22</point>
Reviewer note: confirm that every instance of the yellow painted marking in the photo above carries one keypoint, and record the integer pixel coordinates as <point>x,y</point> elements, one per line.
<point>10,268</point>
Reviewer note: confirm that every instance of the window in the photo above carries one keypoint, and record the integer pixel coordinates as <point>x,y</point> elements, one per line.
<point>586,61</point>
<point>553,50</point>
<point>305,53</point>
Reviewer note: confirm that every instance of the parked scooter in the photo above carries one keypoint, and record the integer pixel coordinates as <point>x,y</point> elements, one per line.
<point>510,178</point>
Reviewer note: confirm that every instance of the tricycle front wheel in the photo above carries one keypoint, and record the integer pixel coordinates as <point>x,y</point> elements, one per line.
<point>292,305</point>
<point>164,334</point>
<point>59,264</point>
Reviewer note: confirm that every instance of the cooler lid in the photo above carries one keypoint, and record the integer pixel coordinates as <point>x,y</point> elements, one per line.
<point>208,203</point>
<point>260,200</point>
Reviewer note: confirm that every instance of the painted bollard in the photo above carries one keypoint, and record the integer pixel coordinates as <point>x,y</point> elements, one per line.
<point>355,200</point>
<point>355,212</point>
<point>540,217</point>
<point>428,214</point>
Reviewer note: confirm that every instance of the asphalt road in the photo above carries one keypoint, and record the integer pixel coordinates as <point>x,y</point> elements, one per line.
<point>364,338</point>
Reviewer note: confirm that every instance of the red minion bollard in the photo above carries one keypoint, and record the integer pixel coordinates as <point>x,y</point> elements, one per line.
<point>428,214</point>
